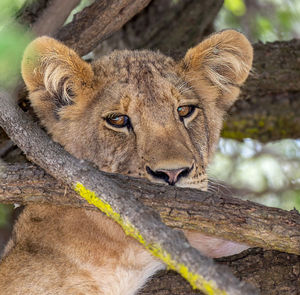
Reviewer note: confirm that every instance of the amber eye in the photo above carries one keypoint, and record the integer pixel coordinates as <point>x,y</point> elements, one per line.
<point>118,121</point>
<point>185,111</point>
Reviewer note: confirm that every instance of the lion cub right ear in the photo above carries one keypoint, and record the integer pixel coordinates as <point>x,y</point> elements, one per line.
<point>223,62</point>
<point>49,65</point>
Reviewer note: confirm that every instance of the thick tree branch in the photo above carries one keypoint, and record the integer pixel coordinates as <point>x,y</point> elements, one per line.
<point>223,216</point>
<point>272,272</point>
<point>269,108</point>
<point>169,26</point>
<point>137,220</point>
<point>53,17</point>
<point>45,17</point>
<point>98,21</point>
<point>31,11</point>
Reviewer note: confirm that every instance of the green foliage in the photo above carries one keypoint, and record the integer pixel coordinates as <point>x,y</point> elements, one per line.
<point>264,20</point>
<point>5,211</point>
<point>78,8</point>
<point>270,173</point>
<point>237,7</point>
<point>13,39</point>
<point>8,9</point>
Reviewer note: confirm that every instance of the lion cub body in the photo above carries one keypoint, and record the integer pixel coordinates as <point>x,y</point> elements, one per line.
<point>65,251</point>
<point>133,112</point>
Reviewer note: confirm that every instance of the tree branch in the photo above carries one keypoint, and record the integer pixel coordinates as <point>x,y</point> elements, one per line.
<point>269,108</point>
<point>169,26</point>
<point>97,22</point>
<point>53,17</point>
<point>222,216</point>
<point>31,11</point>
<point>137,220</point>
<point>272,272</point>
<point>45,17</point>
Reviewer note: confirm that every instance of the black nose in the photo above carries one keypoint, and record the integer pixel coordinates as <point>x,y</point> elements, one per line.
<point>171,176</point>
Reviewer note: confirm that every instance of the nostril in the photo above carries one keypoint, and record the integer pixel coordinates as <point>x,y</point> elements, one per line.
<point>171,176</point>
<point>184,172</point>
<point>157,174</point>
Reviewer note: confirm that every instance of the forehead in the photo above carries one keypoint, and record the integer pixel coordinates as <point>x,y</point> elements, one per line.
<point>145,76</point>
<point>128,64</point>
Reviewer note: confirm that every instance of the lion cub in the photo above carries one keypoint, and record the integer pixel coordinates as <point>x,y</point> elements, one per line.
<point>133,112</point>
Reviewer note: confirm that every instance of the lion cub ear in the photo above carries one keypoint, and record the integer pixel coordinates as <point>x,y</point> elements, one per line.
<point>49,65</point>
<point>223,61</point>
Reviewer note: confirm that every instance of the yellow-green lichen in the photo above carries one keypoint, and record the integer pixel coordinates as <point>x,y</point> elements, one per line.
<point>263,128</point>
<point>196,281</point>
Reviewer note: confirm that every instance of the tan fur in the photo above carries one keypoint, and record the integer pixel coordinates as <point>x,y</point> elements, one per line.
<point>73,251</point>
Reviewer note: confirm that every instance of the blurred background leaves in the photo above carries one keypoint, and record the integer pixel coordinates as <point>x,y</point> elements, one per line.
<point>262,20</point>
<point>13,40</point>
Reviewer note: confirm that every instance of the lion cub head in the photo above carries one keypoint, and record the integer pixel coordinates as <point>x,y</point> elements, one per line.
<point>139,112</point>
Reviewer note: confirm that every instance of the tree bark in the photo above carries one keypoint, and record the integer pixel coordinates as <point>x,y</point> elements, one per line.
<point>269,108</point>
<point>222,216</point>
<point>169,26</point>
<point>45,17</point>
<point>272,272</point>
<point>53,17</point>
<point>97,22</point>
<point>31,11</point>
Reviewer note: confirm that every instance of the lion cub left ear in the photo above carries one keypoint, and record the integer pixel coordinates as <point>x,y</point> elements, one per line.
<point>222,61</point>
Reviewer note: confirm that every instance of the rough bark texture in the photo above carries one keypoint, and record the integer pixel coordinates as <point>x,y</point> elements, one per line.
<point>272,272</point>
<point>269,108</point>
<point>169,26</point>
<point>97,22</point>
<point>136,219</point>
<point>222,216</point>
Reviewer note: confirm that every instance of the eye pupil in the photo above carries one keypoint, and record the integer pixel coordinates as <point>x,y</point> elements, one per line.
<point>185,111</point>
<point>118,121</point>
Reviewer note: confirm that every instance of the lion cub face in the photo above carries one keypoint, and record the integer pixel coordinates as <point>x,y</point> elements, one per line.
<point>139,112</point>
